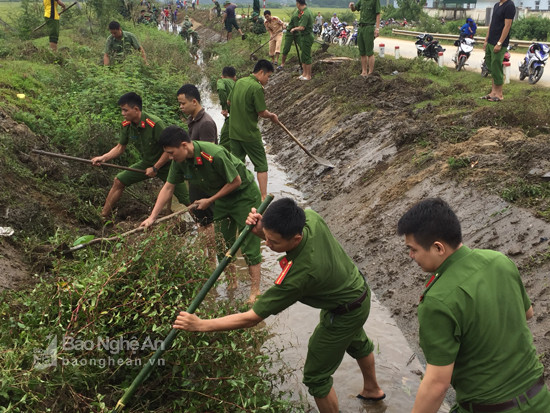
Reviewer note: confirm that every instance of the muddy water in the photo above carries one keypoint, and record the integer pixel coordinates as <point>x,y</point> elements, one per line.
<point>398,370</point>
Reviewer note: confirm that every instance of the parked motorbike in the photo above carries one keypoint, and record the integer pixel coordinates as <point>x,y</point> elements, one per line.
<point>328,33</point>
<point>342,34</point>
<point>485,70</point>
<point>352,40</point>
<point>317,29</point>
<point>533,63</point>
<point>465,45</point>
<point>428,47</point>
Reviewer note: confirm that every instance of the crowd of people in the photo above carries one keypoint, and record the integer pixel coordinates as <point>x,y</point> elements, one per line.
<point>473,311</point>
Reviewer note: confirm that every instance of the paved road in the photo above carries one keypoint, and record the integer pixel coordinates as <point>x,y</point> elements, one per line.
<point>408,49</point>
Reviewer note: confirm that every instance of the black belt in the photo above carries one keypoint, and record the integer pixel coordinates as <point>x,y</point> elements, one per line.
<point>508,405</point>
<point>346,308</point>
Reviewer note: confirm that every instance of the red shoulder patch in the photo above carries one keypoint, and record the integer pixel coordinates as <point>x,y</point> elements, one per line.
<point>150,122</point>
<point>125,123</point>
<point>208,157</point>
<point>199,160</point>
<point>285,271</point>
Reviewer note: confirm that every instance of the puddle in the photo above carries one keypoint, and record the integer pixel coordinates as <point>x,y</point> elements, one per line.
<point>397,368</point>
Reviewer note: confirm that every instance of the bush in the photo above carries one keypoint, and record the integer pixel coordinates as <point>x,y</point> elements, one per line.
<point>78,339</point>
<point>531,28</point>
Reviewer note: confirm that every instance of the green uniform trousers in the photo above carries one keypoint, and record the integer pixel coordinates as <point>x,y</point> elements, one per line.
<point>334,336</point>
<point>288,41</point>
<point>494,63</point>
<point>230,213</point>
<point>540,403</point>
<point>305,42</point>
<point>224,135</point>
<point>129,178</point>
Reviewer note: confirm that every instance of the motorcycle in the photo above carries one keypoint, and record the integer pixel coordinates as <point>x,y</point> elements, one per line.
<point>428,47</point>
<point>342,34</point>
<point>533,63</point>
<point>317,28</point>
<point>352,41</point>
<point>465,45</point>
<point>328,33</point>
<point>485,70</point>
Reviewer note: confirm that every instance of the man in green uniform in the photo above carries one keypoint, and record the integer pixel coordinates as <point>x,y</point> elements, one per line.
<point>52,21</point>
<point>472,318</point>
<point>256,6</point>
<point>304,31</point>
<point>258,26</point>
<point>288,40</point>
<point>224,87</point>
<point>228,185</point>
<point>317,272</point>
<point>369,26</point>
<point>119,44</point>
<point>143,130</point>
<point>247,102</point>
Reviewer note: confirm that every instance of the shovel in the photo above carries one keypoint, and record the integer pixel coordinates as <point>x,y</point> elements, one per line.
<point>317,159</point>
<point>74,158</point>
<point>60,13</point>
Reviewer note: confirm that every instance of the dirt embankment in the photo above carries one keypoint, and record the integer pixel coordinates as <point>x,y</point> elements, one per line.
<point>387,157</point>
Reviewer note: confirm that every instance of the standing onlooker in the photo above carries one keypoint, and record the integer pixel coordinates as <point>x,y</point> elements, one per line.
<point>472,321</point>
<point>274,27</point>
<point>305,40</point>
<point>319,19</point>
<point>119,44</point>
<point>334,21</point>
<point>288,38</point>
<point>369,27</point>
<point>230,20</point>
<point>495,45</point>
<point>224,87</point>
<point>52,21</point>
<point>247,102</point>
<point>193,3</point>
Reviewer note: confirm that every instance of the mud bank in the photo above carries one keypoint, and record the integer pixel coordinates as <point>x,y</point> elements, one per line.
<point>386,160</point>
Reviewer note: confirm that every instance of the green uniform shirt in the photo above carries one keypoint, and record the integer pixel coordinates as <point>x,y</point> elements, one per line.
<point>210,169</point>
<point>320,275</point>
<point>368,10</point>
<point>123,46</point>
<point>224,86</point>
<point>306,19</point>
<point>247,100</point>
<point>473,314</point>
<point>293,21</point>
<point>145,135</point>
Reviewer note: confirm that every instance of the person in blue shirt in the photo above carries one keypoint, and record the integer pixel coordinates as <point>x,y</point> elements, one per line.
<point>469,28</point>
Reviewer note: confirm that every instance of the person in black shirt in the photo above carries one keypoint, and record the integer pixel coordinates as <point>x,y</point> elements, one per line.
<point>495,45</point>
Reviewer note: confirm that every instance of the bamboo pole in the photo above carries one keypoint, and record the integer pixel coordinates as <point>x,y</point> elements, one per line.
<point>148,367</point>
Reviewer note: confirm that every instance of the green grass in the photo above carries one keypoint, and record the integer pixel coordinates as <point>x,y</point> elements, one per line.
<point>7,10</point>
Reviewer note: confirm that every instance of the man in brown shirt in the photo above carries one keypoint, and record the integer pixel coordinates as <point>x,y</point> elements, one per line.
<point>201,128</point>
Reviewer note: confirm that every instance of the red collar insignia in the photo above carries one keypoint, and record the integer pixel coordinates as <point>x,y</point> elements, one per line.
<point>143,124</point>
<point>300,13</point>
<point>198,159</point>
<point>285,265</point>
<point>427,285</point>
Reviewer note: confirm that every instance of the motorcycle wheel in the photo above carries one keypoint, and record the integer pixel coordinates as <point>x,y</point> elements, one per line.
<point>484,70</point>
<point>418,53</point>
<point>522,72</point>
<point>335,40</point>
<point>461,63</point>
<point>342,41</point>
<point>535,76</point>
